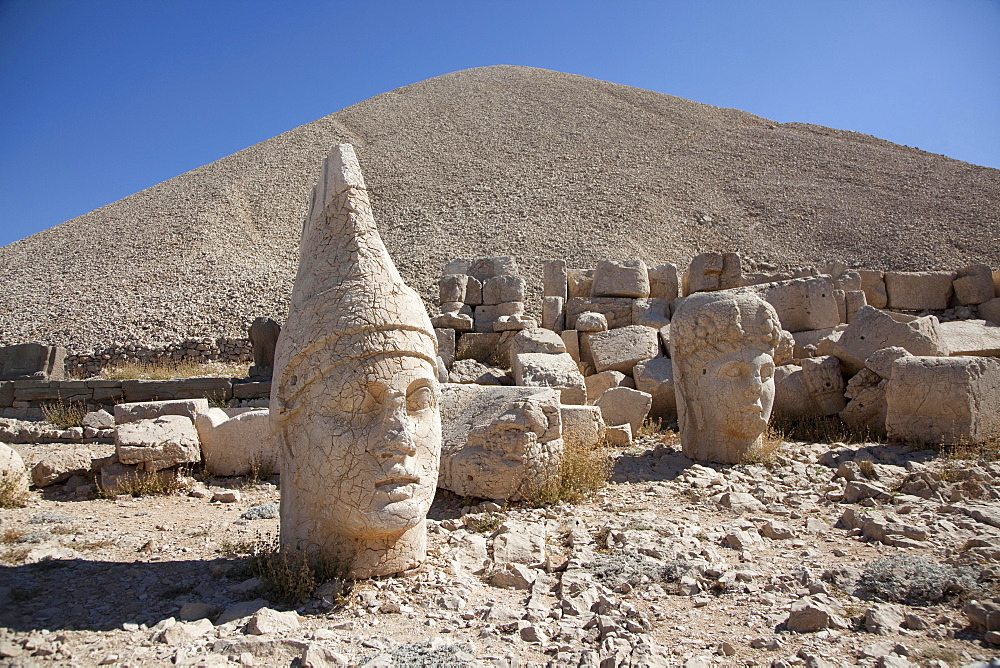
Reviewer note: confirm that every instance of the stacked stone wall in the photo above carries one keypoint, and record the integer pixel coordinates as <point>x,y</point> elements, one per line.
<point>197,350</point>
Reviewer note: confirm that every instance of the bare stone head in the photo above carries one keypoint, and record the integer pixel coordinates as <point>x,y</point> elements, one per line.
<point>355,399</point>
<point>722,345</point>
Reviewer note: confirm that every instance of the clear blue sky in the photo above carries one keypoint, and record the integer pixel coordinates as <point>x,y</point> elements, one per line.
<point>102,98</point>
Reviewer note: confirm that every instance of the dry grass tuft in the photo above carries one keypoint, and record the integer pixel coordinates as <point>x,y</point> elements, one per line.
<point>12,493</point>
<point>288,577</point>
<point>64,414</point>
<point>142,483</point>
<point>830,429</point>
<point>173,370</point>
<point>11,536</point>
<point>583,471</point>
<point>768,449</point>
<point>976,452</point>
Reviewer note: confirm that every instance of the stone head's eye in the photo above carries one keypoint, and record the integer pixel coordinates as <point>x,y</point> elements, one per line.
<point>766,372</point>
<point>733,371</point>
<point>419,399</point>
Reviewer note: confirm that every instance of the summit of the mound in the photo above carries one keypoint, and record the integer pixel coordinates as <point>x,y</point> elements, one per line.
<point>496,160</point>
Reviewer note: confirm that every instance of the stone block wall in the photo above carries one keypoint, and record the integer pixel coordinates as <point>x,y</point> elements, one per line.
<point>198,350</point>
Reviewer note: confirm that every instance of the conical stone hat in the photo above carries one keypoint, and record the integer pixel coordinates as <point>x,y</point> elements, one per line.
<point>349,302</point>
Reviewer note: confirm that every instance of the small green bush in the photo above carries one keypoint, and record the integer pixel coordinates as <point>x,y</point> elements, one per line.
<point>64,414</point>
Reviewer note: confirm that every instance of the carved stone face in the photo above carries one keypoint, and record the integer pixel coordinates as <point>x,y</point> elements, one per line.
<point>383,437</point>
<point>735,393</point>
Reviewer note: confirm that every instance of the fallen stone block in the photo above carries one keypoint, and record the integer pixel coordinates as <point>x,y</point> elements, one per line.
<point>583,426</point>
<point>553,313</point>
<point>499,442</point>
<point>971,337</point>
<point>514,323</point>
<point>653,313</point>
<point>474,371</point>
<point>974,284</point>
<point>713,271</point>
<point>812,337</point>
<point>989,311</point>
<point>589,322</point>
<point>554,279</point>
<point>557,370</point>
<point>617,311</point>
<point>801,303</point>
<point>598,383</point>
<point>451,288</point>
<point>619,435</point>
<point>919,290</point>
<point>622,405</point>
<point>58,466</point>
<point>620,279</point>
<point>150,410</point>
<point>814,389</point>
<point>873,285</point>
<point>98,420</point>
<point>503,289</point>
<point>579,283</point>
<point>13,475</point>
<point>656,378</point>
<point>484,316</point>
<point>952,400</point>
<point>538,340</point>
<point>571,339</point>
<point>815,613</point>
<point>159,443</point>
<point>459,322</point>
<point>32,361</point>
<point>871,330</point>
<point>484,268</point>
<point>663,283</point>
<point>118,478</point>
<point>487,347</point>
<point>237,445</point>
<point>866,406</point>
<point>881,360</point>
<point>446,345</point>
<point>621,349</point>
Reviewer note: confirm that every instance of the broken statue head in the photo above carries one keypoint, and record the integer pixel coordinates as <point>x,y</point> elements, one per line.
<point>355,398</point>
<point>722,345</point>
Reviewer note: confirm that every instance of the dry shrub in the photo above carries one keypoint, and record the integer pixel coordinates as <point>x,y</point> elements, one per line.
<point>977,452</point>
<point>288,577</point>
<point>583,471</point>
<point>64,414</point>
<point>11,536</point>
<point>143,483</point>
<point>12,493</point>
<point>768,449</point>
<point>829,429</point>
<point>173,370</point>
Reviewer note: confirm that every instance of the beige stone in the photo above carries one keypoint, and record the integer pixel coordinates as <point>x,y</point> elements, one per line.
<point>919,290</point>
<point>849,281</point>
<point>949,400</point>
<point>582,425</point>
<point>445,345</point>
<point>499,442</point>
<point>473,291</point>
<point>971,337</point>
<point>713,271</point>
<point>617,311</point>
<point>722,345</point>
<point>458,322</point>
<point>556,370</point>
<point>784,352</point>
<point>157,444</point>
<point>237,445</point>
<point>598,383</point>
<point>974,284</point>
<point>588,322</point>
<point>486,315</point>
<point>656,378</point>
<point>514,323</point>
<point>881,360</point>
<point>553,313</point>
<point>354,403</point>
<point>58,466</point>
<point>866,407</point>
<point>663,282</point>
<point>620,279</point>
<point>873,285</point>
<point>838,295</point>
<point>487,347</point>
<point>990,311</point>
<point>621,349</point>
<point>537,340</point>
<point>579,283</point>
<point>150,410</point>
<point>619,435</point>
<point>571,339</point>
<point>451,288</point>
<point>13,475</point>
<point>554,279</point>
<point>871,330</point>
<point>484,268</point>
<point>812,337</point>
<point>814,389</point>
<point>623,405</point>
<point>853,301</point>
<point>653,313</point>
<point>503,289</point>
<point>801,303</point>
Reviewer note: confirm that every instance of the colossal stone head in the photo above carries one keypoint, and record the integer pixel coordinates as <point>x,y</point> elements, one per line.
<point>355,397</point>
<point>722,346</point>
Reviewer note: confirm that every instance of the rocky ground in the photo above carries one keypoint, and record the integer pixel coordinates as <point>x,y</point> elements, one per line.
<point>824,555</point>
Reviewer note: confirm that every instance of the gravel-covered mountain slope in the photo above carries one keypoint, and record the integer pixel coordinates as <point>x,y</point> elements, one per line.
<point>496,160</point>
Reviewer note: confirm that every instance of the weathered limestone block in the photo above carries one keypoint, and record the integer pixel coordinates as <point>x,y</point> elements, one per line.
<point>873,285</point>
<point>853,301</point>
<point>618,436</point>
<point>12,472</point>
<point>582,426</point>
<point>656,378</point>
<point>990,311</point>
<point>536,340</point>
<point>571,339</point>
<point>722,346</point>
<point>812,338</point>
<point>115,476</point>
<point>59,465</point>
<point>801,303</point>
<point>32,360</point>
<point>919,290</point>
<point>623,405</point>
<point>664,333</point>
<point>784,352</point>
<point>355,400</point>
<point>473,291</point>
<point>974,284</point>
<point>653,313</point>
<point>159,443</point>
<point>621,349</point>
<point>487,347</point>
<point>663,282</point>
<point>474,371</point>
<point>446,345</point>
<point>219,389</point>
<point>881,360</point>
<point>514,323</point>
<point>950,400</point>
<point>150,410</point>
<point>579,283</point>
<point>499,442</point>
<point>455,308</point>
<point>451,288</point>
<point>252,390</point>
<point>236,445</point>
<point>484,268</point>
<point>849,281</point>
<point>866,406</point>
<point>553,313</point>
<point>7,393</point>
<point>263,335</point>
<point>620,279</point>
<point>814,389</point>
<point>841,304</point>
<point>459,322</point>
<point>713,271</point>
<point>589,322</point>
<point>554,279</point>
<point>503,289</point>
<point>971,337</point>
<point>871,330</point>
<point>555,370</point>
<point>598,383</point>
<point>616,310</point>
<point>98,420</point>
<point>486,315</point>
<point>459,265</point>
